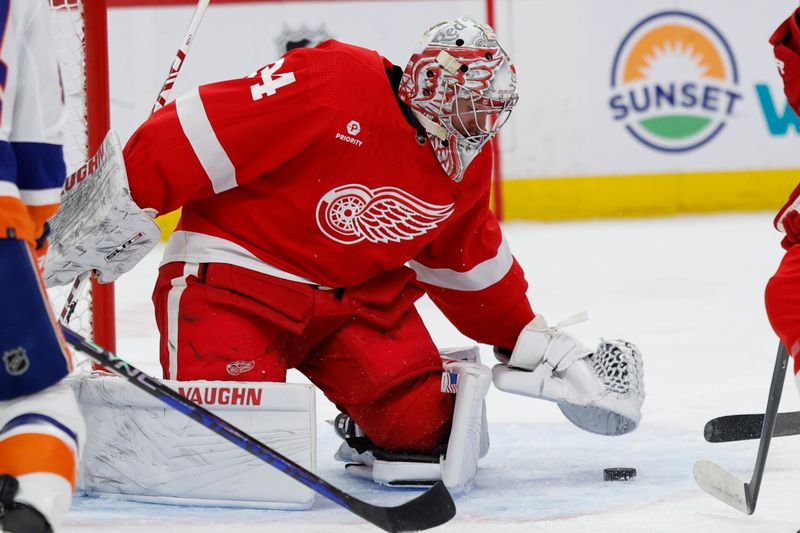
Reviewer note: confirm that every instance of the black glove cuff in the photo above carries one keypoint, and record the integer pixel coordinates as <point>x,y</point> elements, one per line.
<point>43,237</point>
<point>8,489</point>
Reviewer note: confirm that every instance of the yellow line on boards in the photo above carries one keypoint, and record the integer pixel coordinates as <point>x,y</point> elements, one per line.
<point>630,196</point>
<point>646,195</point>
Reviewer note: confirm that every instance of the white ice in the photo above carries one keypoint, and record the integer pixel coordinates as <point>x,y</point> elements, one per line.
<point>687,290</point>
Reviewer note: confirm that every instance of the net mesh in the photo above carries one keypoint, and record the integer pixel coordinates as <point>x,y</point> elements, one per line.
<point>69,42</point>
<point>618,364</point>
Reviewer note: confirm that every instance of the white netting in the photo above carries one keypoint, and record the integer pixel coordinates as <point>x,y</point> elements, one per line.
<point>618,364</point>
<point>69,41</point>
<point>68,36</point>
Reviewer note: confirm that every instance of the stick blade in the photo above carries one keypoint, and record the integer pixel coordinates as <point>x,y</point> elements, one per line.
<point>432,508</point>
<point>722,485</point>
<point>747,427</point>
<point>733,427</point>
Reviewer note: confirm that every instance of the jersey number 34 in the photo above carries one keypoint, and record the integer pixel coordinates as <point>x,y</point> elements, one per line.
<point>271,81</point>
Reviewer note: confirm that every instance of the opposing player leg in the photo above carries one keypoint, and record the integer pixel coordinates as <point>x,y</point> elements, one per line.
<point>782,299</point>
<point>410,425</point>
<point>41,429</point>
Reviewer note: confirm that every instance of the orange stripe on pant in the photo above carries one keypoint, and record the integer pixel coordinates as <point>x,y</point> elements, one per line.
<point>14,216</point>
<point>29,453</point>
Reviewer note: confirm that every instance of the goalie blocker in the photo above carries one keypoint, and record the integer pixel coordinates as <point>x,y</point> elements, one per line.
<point>98,227</point>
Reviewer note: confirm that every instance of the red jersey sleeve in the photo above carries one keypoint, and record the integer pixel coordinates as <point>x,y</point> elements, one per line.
<point>472,277</point>
<point>222,135</point>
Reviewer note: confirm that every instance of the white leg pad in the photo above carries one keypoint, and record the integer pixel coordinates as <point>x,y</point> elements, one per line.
<point>140,449</point>
<point>467,443</point>
<point>469,435</point>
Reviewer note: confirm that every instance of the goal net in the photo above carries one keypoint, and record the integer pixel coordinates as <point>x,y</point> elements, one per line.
<point>79,35</point>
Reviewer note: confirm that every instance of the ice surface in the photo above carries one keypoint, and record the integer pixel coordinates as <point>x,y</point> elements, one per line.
<point>687,290</point>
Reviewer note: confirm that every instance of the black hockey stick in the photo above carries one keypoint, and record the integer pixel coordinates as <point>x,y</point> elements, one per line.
<point>723,485</point>
<point>431,508</point>
<point>746,427</point>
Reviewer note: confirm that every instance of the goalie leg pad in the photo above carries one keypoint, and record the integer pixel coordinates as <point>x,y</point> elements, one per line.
<point>467,443</point>
<point>469,435</point>
<point>139,450</point>
<point>601,391</point>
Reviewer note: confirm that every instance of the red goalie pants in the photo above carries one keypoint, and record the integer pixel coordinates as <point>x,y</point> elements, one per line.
<point>222,322</point>
<point>783,303</point>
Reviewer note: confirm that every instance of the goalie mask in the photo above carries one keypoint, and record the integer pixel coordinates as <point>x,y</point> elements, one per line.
<point>461,86</point>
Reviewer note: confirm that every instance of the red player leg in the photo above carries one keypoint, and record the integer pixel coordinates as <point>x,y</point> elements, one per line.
<point>211,332</point>
<point>387,380</point>
<point>782,299</point>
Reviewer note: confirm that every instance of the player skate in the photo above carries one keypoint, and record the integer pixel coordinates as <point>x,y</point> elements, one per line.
<point>600,391</point>
<point>16,516</point>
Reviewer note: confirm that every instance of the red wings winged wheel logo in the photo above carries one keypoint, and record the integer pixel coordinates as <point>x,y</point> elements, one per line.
<point>353,213</point>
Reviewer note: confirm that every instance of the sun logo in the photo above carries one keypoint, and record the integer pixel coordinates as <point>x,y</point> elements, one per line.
<point>674,82</point>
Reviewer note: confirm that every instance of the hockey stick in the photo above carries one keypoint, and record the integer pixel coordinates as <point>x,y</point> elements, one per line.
<point>74,295</point>
<point>430,509</point>
<point>746,427</point>
<point>199,11</point>
<point>80,282</point>
<point>723,485</point>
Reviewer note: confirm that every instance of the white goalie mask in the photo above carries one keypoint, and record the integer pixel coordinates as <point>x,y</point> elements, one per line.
<point>461,85</point>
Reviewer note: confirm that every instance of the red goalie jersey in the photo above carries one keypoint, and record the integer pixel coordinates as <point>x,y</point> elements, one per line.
<point>309,170</point>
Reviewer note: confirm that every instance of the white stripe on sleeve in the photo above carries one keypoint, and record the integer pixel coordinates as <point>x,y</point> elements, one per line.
<point>41,196</point>
<point>481,276</point>
<point>206,146</point>
<point>8,188</point>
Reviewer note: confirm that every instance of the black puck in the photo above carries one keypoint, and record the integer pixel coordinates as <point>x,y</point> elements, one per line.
<point>619,474</point>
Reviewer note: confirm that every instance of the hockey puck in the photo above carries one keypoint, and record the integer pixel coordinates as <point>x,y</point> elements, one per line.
<point>619,474</point>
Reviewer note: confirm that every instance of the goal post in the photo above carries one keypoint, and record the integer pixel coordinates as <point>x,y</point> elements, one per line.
<point>98,123</point>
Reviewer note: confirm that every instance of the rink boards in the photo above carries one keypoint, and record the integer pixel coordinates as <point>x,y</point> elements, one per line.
<point>626,108</point>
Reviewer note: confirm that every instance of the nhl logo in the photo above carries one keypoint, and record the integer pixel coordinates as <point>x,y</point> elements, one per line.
<point>16,361</point>
<point>303,37</point>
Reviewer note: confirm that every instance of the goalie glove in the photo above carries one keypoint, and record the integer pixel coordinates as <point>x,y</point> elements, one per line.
<point>600,391</point>
<point>98,227</point>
